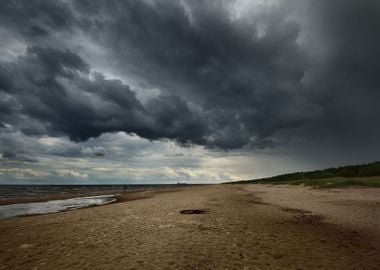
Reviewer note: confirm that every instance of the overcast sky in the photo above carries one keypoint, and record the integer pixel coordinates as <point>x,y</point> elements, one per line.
<point>166,91</point>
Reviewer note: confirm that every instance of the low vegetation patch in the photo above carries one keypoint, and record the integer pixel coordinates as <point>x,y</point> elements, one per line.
<point>366,175</point>
<point>329,182</point>
<point>333,182</point>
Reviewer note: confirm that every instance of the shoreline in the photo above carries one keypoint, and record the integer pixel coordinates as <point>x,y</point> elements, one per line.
<point>235,228</point>
<point>36,210</point>
<point>119,194</point>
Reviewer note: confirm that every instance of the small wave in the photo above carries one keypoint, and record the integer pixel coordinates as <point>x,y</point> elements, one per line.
<point>54,206</point>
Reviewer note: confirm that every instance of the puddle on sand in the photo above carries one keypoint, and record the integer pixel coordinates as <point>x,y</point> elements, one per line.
<point>21,209</point>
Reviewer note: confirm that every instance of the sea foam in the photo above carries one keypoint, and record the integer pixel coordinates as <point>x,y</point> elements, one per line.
<point>37,208</point>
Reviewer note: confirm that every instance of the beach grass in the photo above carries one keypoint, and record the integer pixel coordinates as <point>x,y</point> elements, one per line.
<point>363,175</point>
<point>333,182</point>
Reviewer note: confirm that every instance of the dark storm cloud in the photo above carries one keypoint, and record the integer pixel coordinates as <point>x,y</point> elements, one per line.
<point>37,18</point>
<point>294,69</point>
<point>344,79</point>
<point>15,146</point>
<point>51,87</point>
<point>54,88</point>
<point>243,82</point>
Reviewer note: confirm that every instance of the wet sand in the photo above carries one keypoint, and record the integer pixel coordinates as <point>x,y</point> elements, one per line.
<point>240,228</point>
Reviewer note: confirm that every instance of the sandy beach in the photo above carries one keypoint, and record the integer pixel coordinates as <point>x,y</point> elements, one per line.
<point>242,227</point>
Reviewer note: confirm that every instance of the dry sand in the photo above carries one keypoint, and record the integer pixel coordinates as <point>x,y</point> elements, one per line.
<point>239,230</point>
<point>357,208</point>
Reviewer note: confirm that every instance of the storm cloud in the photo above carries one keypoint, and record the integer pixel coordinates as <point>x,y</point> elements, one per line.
<point>225,75</point>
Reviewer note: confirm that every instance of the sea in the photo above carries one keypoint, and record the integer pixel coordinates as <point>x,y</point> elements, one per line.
<point>20,191</point>
<point>81,196</point>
